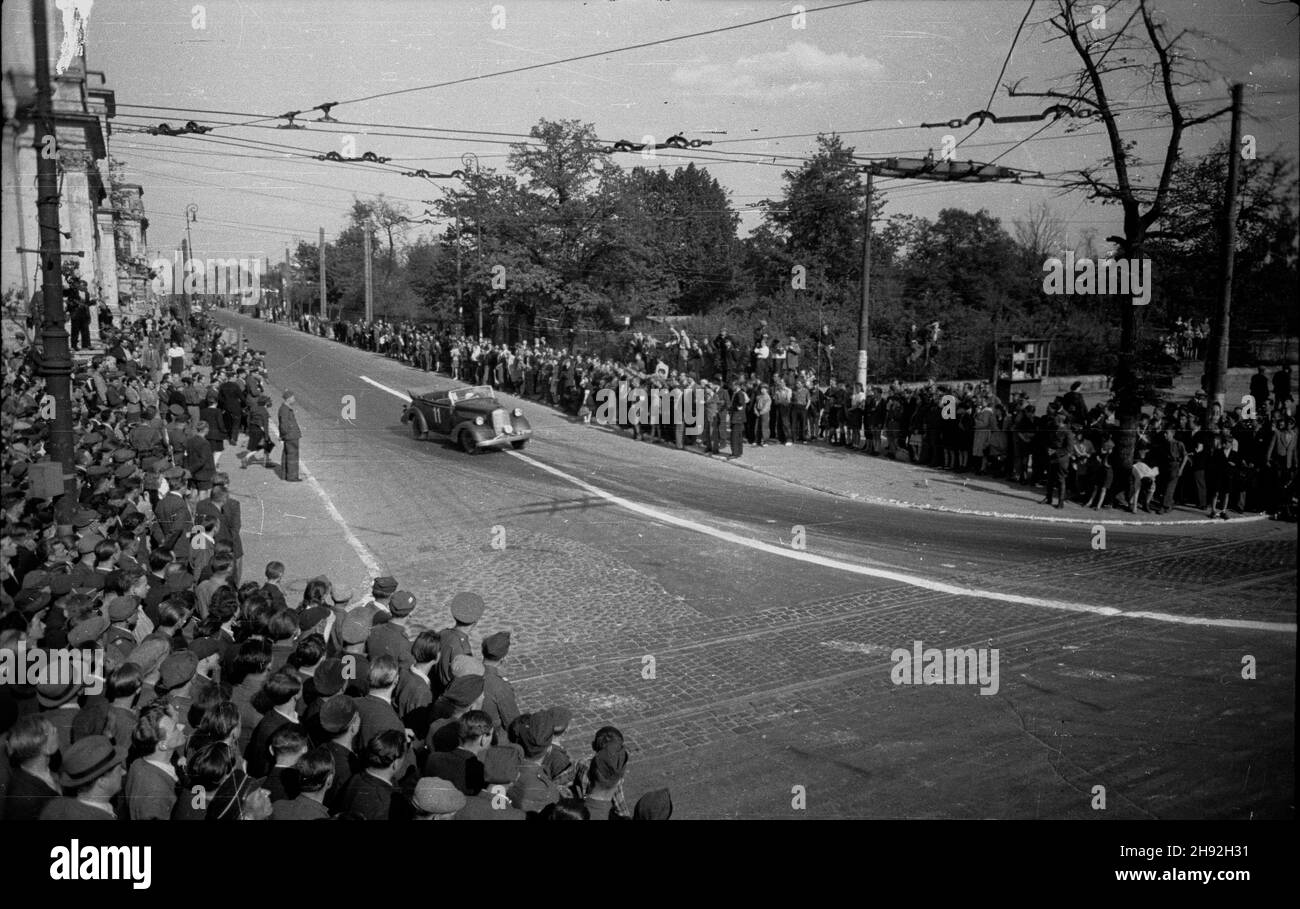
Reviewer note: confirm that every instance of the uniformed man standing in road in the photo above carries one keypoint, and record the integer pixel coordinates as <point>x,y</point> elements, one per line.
<point>287,422</point>
<point>739,401</point>
<point>466,610</point>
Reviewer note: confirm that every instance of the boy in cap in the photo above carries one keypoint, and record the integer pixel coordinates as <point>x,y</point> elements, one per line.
<point>376,608</point>
<point>151,782</point>
<point>391,638</point>
<point>605,736</point>
<point>466,610</point>
<point>436,800</point>
<point>92,769</point>
<point>499,701</point>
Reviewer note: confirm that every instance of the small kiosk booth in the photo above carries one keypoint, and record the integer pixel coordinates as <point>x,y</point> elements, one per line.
<point>1022,364</point>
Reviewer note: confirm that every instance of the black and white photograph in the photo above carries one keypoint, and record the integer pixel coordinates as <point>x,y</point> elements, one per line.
<point>875,410</point>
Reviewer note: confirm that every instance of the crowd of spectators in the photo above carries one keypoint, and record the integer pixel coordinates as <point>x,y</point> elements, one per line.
<point>768,391</point>
<point>172,683</point>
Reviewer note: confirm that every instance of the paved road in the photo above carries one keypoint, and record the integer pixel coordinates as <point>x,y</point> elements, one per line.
<point>771,665</point>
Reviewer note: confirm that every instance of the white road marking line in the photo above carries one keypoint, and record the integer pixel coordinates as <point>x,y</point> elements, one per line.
<point>900,577</point>
<point>363,552</point>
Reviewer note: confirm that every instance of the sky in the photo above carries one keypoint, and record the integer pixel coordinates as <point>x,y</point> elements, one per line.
<point>871,71</point>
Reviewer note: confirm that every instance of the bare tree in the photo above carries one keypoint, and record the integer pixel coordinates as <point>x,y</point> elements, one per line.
<point>1041,234</point>
<point>1138,59</point>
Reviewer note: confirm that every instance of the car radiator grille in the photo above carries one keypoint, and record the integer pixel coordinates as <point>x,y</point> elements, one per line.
<point>501,423</point>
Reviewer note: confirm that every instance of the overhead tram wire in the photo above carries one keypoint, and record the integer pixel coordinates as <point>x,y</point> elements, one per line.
<point>1005,62</point>
<point>785,16</point>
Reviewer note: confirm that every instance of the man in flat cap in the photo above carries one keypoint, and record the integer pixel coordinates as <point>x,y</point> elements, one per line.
<point>92,770</point>
<point>391,638</point>
<point>436,800</point>
<point>466,610</point>
<point>290,434</point>
<point>498,694</point>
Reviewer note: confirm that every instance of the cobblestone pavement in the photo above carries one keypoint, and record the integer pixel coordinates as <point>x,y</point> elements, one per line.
<point>771,673</point>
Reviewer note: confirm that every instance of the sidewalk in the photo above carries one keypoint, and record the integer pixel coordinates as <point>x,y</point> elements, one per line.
<point>901,484</point>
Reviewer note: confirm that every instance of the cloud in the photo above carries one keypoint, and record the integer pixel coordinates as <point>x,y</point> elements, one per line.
<point>800,70</point>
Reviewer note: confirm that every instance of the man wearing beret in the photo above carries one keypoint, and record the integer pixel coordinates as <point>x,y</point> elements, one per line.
<point>290,434</point>
<point>92,769</point>
<point>498,694</point>
<point>391,638</point>
<point>175,678</point>
<point>501,766</point>
<point>466,610</point>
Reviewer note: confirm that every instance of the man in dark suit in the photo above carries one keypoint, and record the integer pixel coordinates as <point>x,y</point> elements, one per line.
<point>229,522</point>
<point>230,398</point>
<point>413,696</point>
<point>340,720</point>
<point>500,771</point>
<point>372,794</point>
<point>290,434</point>
<point>315,773</point>
<point>174,516</point>
<point>376,708</point>
<point>280,691</point>
<point>32,743</point>
<point>499,701</point>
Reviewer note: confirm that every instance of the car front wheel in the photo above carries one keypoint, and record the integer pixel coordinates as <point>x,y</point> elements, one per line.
<point>467,443</point>
<point>519,446</point>
<point>415,429</point>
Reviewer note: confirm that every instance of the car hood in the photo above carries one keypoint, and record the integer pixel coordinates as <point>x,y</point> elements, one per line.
<point>479,405</point>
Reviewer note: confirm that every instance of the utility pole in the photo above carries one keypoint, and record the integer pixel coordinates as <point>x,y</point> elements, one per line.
<point>285,304</point>
<point>459,305</point>
<point>864,312</point>
<point>1216,357</point>
<point>927,168</point>
<point>370,294</point>
<point>56,361</point>
<point>321,248</point>
<point>185,284</point>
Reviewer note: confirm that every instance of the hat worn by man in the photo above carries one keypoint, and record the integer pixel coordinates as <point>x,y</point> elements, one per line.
<point>88,759</point>
<point>312,616</point>
<point>122,608</point>
<point>467,608</point>
<point>437,796</point>
<point>340,595</point>
<point>501,764</point>
<point>177,669</point>
<point>328,677</point>
<point>535,732</point>
<point>84,518</point>
<point>31,600</point>
<point>149,654</point>
<point>464,664</point>
<point>202,648</point>
<point>608,765</point>
<point>355,630</point>
<point>50,696</point>
<point>496,646</point>
<point>384,587</point>
<point>402,603</point>
<point>336,713</point>
<point>286,395</point>
<point>464,690</point>
<point>87,631</point>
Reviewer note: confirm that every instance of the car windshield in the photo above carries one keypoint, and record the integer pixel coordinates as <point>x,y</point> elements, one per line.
<point>469,394</point>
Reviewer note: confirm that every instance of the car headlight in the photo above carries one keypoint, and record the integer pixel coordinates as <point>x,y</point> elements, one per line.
<point>478,421</point>
<point>518,412</point>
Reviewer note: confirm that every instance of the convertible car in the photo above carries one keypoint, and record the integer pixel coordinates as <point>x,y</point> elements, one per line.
<point>471,417</point>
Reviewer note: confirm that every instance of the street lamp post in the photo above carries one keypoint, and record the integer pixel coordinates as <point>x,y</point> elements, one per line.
<point>191,215</point>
